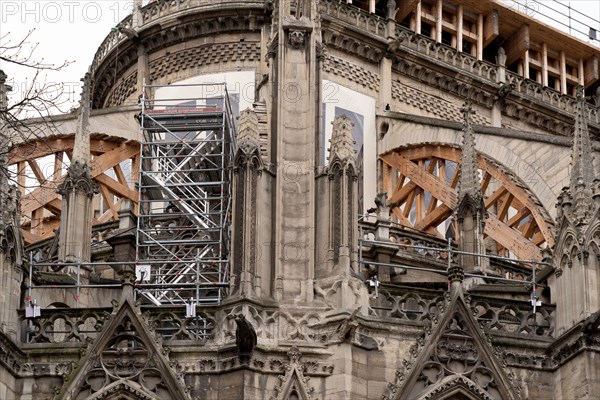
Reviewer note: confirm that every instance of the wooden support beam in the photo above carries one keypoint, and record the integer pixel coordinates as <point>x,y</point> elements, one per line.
<point>581,72</point>
<point>42,195</point>
<point>485,182</point>
<point>455,177</point>
<point>58,165</point>
<point>480,37</point>
<point>438,21</point>
<point>459,28</point>
<point>516,45</point>
<point>434,218</point>
<point>401,218</point>
<point>526,64</point>
<point>505,206</point>
<point>108,197</point>
<point>37,222</point>
<point>21,177</point>
<point>406,7</point>
<point>544,64</point>
<point>400,195</point>
<point>491,28</point>
<point>423,178</point>
<point>409,201</point>
<point>29,237</point>
<point>37,172</point>
<point>591,71</point>
<point>42,148</point>
<point>54,206</point>
<point>518,217</point>
<point>494,197</point>
<point>116,187</point>
<point>511,239</point>
<point>418,17</point>
<point>120,175</point>
<point>563,73</point>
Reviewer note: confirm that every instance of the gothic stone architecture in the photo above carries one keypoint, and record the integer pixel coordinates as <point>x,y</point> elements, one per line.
<point>392,200</point>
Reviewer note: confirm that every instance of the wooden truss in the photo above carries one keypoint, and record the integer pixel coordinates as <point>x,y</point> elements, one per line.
<point>40,168</point>
<point>423,183</point>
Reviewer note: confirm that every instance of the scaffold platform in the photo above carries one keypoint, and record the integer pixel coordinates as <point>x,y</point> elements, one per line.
<point>183,232</point>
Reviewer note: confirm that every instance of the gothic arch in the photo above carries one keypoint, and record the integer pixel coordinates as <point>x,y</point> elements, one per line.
<point>456,388</point>
<point>123,390</point>
<point>422,182</point>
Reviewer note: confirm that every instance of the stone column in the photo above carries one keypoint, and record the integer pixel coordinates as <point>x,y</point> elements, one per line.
<point>295,123</point>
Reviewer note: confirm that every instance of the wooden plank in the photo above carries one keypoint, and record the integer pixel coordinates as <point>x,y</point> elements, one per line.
<point>401,218</point>
<point>505,206</point>
<point>405,7</point>
<point>434,218</point>
<point>400,195</point>
<point>518,217</point>
<point>545,64</point>
<point>591,71</point>
<point>108,197</point>
<point>494,197</point>
<point>511,239</point>
<point>516,45</point>
<point>117,188</point>
<point>37,172</point>
<point>423,178</point>
<point>42,148</point>
<point>409,201</point>
<point>37,222</point>
<point>54,206</point>
<point>21,178</point>
<point>438,21</point>
<point>108,214</point>
<point>120,175</point>
<point>563,73</point>
<point>58,165</point>
<point>485,182</point>
<point>459,28</point>
<point>29,237</point>
<point>480,37</point>
<point>491,28</point>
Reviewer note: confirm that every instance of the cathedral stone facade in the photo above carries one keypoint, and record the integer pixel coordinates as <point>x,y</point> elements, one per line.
<point>393,200</point>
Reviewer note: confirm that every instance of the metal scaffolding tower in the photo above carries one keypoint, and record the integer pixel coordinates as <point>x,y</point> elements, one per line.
<point>183,235</point>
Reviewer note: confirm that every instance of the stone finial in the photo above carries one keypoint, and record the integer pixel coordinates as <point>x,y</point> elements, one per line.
<point>582,175</point>
<point>81,149</point>
<point>342,141</point>
<point>248,137</point>
<point>469,175</point>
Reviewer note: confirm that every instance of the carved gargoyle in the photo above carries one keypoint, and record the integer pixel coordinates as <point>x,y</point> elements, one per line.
<point>245,337</point>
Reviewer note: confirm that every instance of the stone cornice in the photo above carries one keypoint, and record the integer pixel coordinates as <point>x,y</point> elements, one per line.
<point>195,22</point>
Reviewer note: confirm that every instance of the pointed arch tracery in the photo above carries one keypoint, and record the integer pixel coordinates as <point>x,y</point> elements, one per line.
<point>423,182</point>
